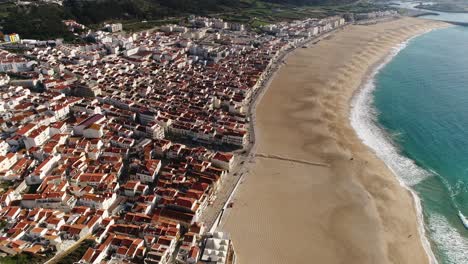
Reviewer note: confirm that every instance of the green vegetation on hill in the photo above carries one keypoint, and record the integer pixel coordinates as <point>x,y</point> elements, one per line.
<point>37,22</point>
<point>43,21</point>
<point>24,259</point>
<point>94,12</point>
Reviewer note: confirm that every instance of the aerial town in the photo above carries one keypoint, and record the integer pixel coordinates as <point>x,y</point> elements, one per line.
<point>131,139</point>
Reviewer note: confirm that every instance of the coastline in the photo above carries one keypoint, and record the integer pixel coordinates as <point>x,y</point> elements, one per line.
<point>336,152</point>
<point>366,88</point>
<point>429,8</point>
<point>445,237</point>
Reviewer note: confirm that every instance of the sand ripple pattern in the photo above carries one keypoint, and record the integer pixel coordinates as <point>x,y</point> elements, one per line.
<point>350,208</point>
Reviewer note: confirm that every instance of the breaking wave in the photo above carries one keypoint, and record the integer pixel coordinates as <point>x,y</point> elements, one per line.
<point>363,118</point>
<point>364,121</point>
<point>454,244</point>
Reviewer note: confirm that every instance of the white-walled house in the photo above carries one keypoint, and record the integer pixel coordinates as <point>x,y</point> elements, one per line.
<point>96,201</point>
<point>223,160</point>
<point>7,161</point>
<point>43,169</point>
<point>37,137</point>
<point>148,174</point>
<point>94,131</point>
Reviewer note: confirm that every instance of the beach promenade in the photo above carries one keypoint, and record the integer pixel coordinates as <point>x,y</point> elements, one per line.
<point>214,215</point>
<point>314,193</point>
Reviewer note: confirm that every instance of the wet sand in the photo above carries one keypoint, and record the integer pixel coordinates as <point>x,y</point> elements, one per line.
<point>315,193</point>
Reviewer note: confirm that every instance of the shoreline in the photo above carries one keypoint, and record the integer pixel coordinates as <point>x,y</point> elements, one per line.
<point>236,220</point>
<point>368,83</point>
<point>429,8</point>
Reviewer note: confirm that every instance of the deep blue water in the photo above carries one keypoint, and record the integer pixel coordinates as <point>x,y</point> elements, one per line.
<point>421,98</point>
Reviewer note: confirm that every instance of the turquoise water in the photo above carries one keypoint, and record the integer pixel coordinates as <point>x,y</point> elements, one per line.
<point>421,101</point>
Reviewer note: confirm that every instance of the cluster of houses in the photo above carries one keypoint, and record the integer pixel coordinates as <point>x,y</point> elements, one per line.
<point>304,28</point>
<point>66,163</point>
<point>97,140</point>
<point>10,62</point>
<point>375,15</point>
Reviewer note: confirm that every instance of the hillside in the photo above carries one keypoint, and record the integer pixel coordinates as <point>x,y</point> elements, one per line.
<point>43,21</point>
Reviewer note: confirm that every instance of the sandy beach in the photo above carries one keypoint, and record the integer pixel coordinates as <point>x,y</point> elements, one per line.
<point>315,193</point>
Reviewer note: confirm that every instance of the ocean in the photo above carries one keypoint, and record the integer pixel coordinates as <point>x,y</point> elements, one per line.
<point>413,112</point>
<point>444,16</point>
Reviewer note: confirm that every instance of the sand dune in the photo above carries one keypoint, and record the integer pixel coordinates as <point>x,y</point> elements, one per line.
<point>353,211</point>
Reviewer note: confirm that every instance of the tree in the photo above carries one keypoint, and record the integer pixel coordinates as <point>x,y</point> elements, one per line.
<point>37,22</point>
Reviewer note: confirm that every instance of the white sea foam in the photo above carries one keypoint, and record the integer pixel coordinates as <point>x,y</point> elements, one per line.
<point>363,119</point>
<point>449,241</point>
<point>463,219</point>
<point>453,245</point>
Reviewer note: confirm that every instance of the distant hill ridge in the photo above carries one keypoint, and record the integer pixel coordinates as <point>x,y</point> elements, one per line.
<point>43,21</point>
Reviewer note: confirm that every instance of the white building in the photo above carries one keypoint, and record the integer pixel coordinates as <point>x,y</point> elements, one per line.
<point>149,174</point>
<point>219,24</point>
<point>167,28</point>
<point>218,250</point>
<point>223,160</point>
<point>37,137</point>
<point>4,147</point>
<point>96,201</point>
<point>155,131</point>
<point>114,27</point>
<point>10,62</point>
<point>7,161</point>
<point>235,138</point>
<point>237,27</point>
<point>43,169</point>
<point>94,131</point>
<point>78,130</point>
